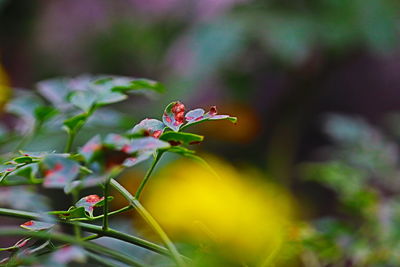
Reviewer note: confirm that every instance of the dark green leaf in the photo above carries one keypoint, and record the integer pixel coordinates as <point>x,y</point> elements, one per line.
<point>180,138</point>
<point>71,213</point>
<point>23,159</point>
<point>44,113</point>
<point>73,124</point>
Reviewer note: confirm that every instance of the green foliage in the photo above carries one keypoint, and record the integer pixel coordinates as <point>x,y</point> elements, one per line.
<point>365,183</point>
<point>72,104</point>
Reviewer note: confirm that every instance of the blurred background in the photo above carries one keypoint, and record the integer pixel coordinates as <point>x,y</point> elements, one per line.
<point>315,85</point>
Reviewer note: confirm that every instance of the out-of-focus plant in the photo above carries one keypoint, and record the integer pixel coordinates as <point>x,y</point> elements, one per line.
<point>4,88</point>
<point>70,104</point>
<point>363,172</point>
<point>227,215</point>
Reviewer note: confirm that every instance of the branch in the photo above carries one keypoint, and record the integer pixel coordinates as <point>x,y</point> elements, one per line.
<point>178,258</point>
<point>91,228</point>
<point>70,240</point>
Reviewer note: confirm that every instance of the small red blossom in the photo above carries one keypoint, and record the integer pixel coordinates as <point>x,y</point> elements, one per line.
<point>93,198</point>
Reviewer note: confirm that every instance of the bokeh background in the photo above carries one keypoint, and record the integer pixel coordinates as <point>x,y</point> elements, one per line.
<point>315,85</point>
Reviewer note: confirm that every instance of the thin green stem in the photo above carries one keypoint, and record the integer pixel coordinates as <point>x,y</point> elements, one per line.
<point>70,141</point>
<point>105,207</point>
<point>151,221</point>
<point>157,228</point>
<point>91,228</point>
<point>148,174</point>
<point>121,210</point>
<point>70,240</point>
<point>90,237</point>
<point>269,261</point>
<point>77,229</point>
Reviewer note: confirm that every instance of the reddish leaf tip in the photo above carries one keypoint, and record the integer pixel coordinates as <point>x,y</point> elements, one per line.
<point>93,198</point>
<point>28,223</point>
<point>213,111</point>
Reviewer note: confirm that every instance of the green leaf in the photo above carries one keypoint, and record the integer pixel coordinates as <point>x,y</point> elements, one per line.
<point>149,144</point>
<point>173,115</point>
<point>6,171</point>
<point>74,123</point>
<point>44,113</point>
<point>85,182</point>
<point>198,115</point>
<point>116,141</point>
<point>90,202</point>
<point>24,105</point>
<point>59,171</point>
<point>106,98</point>
<point>180,138</point>
<point>90,148</point>
<point>139,84</point>
<point>148,127</point>
<point>141,149</point>
<point>180,150</point>
<point>28,171</point>
<point>71,213</point>
<point>55,90</point>
<point>23,159</point>
<point>37,225</point>
<point>137,158</point>
<point>84,100</point>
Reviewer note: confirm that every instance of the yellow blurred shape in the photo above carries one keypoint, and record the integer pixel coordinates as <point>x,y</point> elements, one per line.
<point>235,214</point>
<point>4,88</point>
